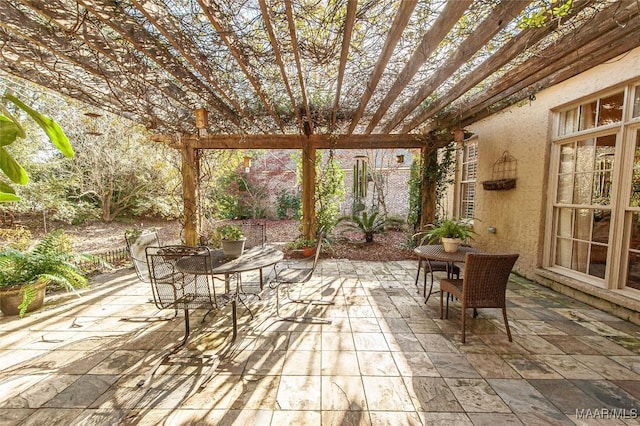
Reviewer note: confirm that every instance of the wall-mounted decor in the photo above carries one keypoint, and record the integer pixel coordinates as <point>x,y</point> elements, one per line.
<point>504,174</point>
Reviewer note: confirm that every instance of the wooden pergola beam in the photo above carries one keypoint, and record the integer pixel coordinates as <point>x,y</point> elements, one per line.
<point>107,12</point>
<point>395,32</point>
<point>449,16</point>
<point>588,48</point>
<point>344,53</point>
<point>158,15</point>
<point>499,59</point>
<point>317,141</point>
<point>500,16</point>
<point>278,54</point>
<point>224,33</point>
<point>296,54</point>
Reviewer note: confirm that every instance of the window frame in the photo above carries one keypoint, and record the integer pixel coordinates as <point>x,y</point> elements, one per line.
<point>617,256</point>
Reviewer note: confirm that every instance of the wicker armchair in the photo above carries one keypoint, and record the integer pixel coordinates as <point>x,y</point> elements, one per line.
<point>484,285</point>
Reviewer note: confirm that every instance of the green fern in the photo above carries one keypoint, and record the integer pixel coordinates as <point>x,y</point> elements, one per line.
<point>49,263</point>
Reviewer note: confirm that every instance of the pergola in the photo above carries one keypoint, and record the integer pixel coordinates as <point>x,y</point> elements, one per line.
<point>305,74</point>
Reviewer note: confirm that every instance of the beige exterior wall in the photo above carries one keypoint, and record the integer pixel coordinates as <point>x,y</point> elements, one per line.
<point>518,215</point>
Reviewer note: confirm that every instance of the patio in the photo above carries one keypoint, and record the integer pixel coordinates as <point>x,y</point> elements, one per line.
<point>386,358</point>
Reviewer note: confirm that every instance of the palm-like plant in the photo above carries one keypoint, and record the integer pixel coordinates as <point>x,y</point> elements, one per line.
<point>49,263</point>
<point>369,224</point>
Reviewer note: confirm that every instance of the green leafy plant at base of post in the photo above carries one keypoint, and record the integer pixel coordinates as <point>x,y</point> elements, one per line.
<point>50,262</point>
<point>447,228</point>
<point>302,243</point>
<point>10,130</point>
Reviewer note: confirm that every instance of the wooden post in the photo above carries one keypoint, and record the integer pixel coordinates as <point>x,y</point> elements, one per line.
<point>428,186</point>
<point>308,190</point>
<point>190,172</point>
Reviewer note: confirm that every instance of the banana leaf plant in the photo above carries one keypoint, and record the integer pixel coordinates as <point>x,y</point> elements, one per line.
<point>10,131</point>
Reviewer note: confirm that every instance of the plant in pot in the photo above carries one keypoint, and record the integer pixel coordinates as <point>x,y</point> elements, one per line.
<point>232,240</point>
<point>25,274</point>
<point>306,247</point>
<point>450,232</point>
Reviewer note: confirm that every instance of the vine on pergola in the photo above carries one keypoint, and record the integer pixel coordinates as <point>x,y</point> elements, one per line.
<point>308,66</point>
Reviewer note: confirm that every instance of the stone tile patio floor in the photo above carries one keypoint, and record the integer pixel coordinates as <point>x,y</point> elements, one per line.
<point>385,358</point>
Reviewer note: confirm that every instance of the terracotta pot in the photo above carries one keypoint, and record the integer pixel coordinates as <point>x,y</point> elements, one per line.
<point>11,298</point>
<point>308,251</point>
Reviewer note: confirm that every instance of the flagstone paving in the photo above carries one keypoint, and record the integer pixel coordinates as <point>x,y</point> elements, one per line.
<point>384,357</point>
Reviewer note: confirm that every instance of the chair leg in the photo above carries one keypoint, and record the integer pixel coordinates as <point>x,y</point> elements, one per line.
<point>304,317</point>
<point>418,274</point>
<point>446,312</point>
<point>441,303</point>
<point>464,309</point>
<point>506,323</point>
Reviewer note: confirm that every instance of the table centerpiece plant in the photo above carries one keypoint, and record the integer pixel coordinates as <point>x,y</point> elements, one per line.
<point>450,232</point>
<point>232,240</point>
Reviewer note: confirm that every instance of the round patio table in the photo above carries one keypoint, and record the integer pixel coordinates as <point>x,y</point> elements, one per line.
<point>435,253</point>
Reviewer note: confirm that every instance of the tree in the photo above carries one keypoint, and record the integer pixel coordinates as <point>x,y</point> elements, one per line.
<point>119,171</point>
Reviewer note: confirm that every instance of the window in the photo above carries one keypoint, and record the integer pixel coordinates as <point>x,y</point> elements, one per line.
<point>468,179</point>
<point>600,112</point>
<point>633,222</point>
<point>595,194</point>
<point>583,218</point>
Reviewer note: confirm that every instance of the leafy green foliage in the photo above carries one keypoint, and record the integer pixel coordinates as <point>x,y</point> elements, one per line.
<point>369,224</point>
<point>448,228</point>
<point>288,204</point>
<point>51,262</point>
<point>330,192</point>
<point>230,233</point>
<point>542,11</point>
<point>10,130</point>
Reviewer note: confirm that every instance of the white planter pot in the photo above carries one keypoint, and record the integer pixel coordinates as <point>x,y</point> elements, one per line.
<point>233,249</point>
<point>450,244</point>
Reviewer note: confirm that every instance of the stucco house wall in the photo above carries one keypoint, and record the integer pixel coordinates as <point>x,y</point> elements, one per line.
<point>518,214</point>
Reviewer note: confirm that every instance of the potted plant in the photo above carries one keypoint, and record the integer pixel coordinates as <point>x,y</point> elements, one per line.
<point>451,233</point>
<point>307,247</point>
<point>25,275</point>
<point>232,240</point>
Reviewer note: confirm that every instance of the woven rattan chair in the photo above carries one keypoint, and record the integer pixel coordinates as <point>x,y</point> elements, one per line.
<point>484,285</point>
<point>299,273</point>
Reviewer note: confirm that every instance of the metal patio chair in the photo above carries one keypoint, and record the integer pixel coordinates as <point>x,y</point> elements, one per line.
<point>299,273</point>
<point>484,285</point>
<point>136,246</point>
